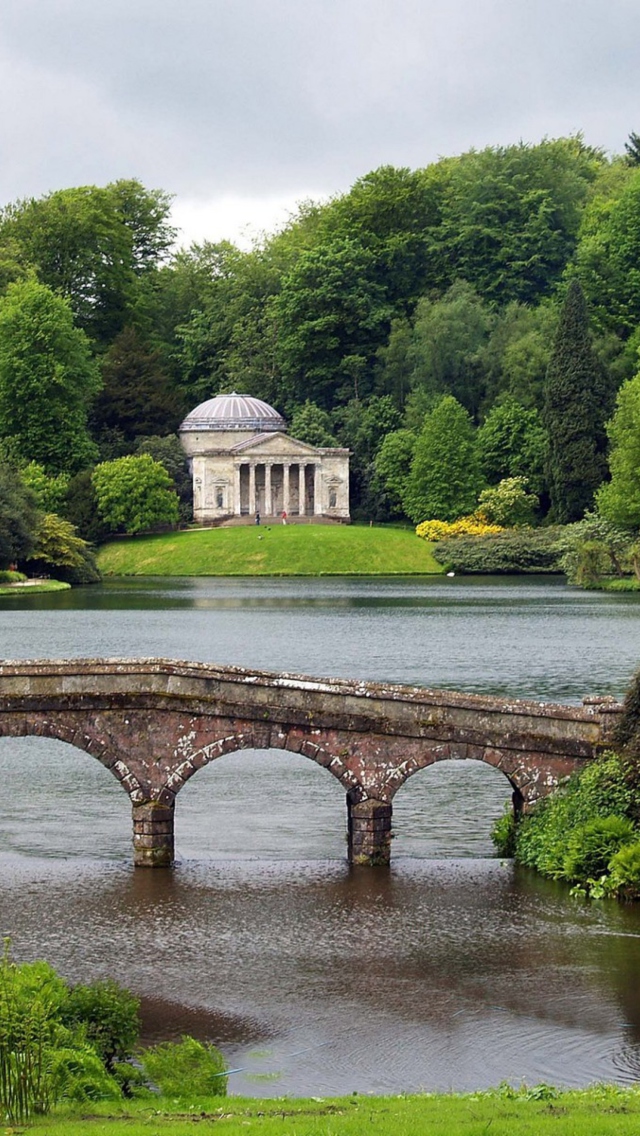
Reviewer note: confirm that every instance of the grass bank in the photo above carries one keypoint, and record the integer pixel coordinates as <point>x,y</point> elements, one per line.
<point>33,587</point>
<point>279,550</point>
<point>535,1112</point>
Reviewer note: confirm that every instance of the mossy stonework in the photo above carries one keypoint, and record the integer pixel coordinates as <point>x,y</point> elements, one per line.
<point>153,723</point>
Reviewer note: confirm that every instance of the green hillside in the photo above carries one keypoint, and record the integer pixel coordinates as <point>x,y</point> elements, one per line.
<point>280,550</point>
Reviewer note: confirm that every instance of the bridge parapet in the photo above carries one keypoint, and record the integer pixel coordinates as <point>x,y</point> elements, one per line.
<point>155,722</point>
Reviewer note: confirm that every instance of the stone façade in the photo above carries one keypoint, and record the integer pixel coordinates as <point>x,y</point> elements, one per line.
<point>154,722</point>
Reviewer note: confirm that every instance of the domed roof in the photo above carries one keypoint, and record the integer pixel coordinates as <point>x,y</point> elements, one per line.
<point>233,412</point>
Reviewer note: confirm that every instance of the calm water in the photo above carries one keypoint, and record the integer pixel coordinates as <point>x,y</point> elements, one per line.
<point>450,970</point>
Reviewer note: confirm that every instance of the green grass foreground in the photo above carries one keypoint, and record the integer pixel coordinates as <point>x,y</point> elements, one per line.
<point>277,550</point>
<point>592,1112</point>
<point>33,587</point>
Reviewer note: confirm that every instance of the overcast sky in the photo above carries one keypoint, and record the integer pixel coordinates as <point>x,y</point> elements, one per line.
<point>242,107</point>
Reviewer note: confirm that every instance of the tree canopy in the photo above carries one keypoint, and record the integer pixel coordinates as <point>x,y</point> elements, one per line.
<point>47,378</point>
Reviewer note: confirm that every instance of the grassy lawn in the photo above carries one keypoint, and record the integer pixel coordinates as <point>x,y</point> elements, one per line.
<point>280,550</point>
<point>596,1112</point>
<point>33,587</point>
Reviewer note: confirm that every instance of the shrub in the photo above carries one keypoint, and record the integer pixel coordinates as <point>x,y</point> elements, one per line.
<point>624,872</point>
<point>509,503</point>
<point>476,524</point>
<point>511,551</point>
<point>30,996</point>
<point>60,1044</point>
<point>591,846</point>
<point>600,790</point>
<point>593,548</point>
<point>186,1068</point>
<point>8,576</point>
<point>503,832</point>
<point>109,1015</point>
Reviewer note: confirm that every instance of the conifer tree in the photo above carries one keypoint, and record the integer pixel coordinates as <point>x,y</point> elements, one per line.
<point>577,405</point>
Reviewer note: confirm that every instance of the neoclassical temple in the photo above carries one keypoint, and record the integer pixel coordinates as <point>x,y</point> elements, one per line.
<point>243,462</point>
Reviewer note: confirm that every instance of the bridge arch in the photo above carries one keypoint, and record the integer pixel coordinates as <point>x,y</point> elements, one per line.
<point>88,743</point>
<point>448,809</point>
<point>278,739</point>
<point>253,802</point>
<point>58,800</point>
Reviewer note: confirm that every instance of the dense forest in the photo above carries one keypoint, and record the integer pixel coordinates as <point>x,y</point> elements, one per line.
<point>487,305</point>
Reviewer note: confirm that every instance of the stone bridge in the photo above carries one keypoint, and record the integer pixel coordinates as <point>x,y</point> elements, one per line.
<point>154,723</point>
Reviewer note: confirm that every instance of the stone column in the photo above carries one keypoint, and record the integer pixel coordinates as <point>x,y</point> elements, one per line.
<point>252,487</point>
<point>153,835</point>
<point>302,469</point>
<point>268,504</point>
<point>286,503</point>
<point>317,489</point>
<point>236,490</point>
<point>368,832</point>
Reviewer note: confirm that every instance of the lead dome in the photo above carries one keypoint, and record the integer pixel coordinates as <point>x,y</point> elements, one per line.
<point>234,412</point>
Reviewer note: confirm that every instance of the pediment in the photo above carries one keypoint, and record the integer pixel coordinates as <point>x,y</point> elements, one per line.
<point>278,444</point>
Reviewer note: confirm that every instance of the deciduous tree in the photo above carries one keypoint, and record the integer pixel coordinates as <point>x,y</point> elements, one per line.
<point>445,477</point>
<point>47,379</point>
<point>134,494</point>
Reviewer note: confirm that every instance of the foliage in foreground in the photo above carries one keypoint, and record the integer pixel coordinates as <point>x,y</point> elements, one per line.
<point>61,1043</point>
<point>584,833</point>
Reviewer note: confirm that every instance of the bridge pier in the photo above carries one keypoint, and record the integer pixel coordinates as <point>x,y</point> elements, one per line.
<point>368,831</point>
<point>153,844</point>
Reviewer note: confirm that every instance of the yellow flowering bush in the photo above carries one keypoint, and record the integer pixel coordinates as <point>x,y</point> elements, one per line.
<point>475,524</point>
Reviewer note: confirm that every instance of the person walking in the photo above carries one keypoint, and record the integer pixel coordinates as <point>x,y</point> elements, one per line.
<point>257,517</point>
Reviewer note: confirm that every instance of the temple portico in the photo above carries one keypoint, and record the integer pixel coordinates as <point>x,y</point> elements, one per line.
<point>271,488</point>
<point>244,463</point>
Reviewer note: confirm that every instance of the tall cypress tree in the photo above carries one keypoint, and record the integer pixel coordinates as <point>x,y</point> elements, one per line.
<point>578,401</point>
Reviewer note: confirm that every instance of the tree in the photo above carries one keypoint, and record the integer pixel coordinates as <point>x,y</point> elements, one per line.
<point>361,427</point>
<point>516,355</point>
<point>508,503</point>
<point>577,404</point>
<point>134,494</point>
<point>18,518</point>
<point>330,311</point>
<point>47,378</point>
<point>50,492</point>
<point>619,500</point>
<point>136,398</point>
<point>512,442</point>
<point>445,477</point>
<point>608,255</point>
<point>81,508</point>
<point>58,547</point>
<point>313,425</point>
<point>92,244</point>
<point>511,215</point>
<point>447,341</point>
<point>170,453</point>
<point>632,149</point>
<point>393,465</point>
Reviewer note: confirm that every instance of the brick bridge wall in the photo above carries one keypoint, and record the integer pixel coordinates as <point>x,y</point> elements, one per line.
<point>153,723</point>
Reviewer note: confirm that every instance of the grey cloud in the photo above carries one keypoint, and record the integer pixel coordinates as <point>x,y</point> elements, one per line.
<point>206,97</point>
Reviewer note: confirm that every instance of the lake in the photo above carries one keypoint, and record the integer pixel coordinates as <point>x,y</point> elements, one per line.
<point>452,969</point>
